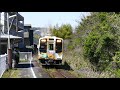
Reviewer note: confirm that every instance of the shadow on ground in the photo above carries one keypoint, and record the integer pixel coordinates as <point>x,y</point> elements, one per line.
<point>65,66</point>
<point>24,65</point>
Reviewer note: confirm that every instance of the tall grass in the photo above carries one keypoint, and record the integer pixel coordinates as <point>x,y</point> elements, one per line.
<point>82,66</point>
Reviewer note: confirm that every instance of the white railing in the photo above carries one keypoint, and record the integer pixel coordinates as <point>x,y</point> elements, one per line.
<point>3,64</point>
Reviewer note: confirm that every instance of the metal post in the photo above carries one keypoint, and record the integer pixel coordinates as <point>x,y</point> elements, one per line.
<point>17,25</point>
<point>9,49</point>
<point>17,22</point>
<point>8,31</point>
<point>0,32</point>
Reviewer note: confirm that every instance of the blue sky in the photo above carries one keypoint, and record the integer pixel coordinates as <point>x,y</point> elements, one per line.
<point>46,19</point>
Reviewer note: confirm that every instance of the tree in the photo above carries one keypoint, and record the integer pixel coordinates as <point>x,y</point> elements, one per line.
<point>64,31</point>
<point>99,35</point>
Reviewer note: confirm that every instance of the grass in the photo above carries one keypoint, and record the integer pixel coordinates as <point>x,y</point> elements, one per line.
<point>11,73</point>
<point>23,60</point>
<point>75,59</point>
<point>83,68</point>
<point>78,75</point>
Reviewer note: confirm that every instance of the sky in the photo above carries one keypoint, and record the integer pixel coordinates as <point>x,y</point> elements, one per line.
<point>46,19</point>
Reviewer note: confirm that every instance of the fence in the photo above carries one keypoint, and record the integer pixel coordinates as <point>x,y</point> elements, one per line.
<point>3,64</point>
<point>25,56</point>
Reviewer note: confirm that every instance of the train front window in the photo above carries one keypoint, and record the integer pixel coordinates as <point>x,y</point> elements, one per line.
<point>50,46</point>
<point>43,47</point>
<point>58,46</point>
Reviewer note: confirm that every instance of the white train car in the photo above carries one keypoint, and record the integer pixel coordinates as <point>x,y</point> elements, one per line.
<point>50,50</point>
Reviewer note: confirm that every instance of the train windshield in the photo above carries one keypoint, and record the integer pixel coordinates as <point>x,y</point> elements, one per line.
<point>58,46</point>
<point>43,46</point>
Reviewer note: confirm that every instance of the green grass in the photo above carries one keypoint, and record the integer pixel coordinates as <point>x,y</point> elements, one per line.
<point>117,73</point>
<point>11,73</point>
<point>75,59</point>
<point>23,60</point>
<point>78,75</point>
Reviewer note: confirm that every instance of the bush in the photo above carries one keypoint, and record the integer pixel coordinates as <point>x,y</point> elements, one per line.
<point>116,59</point>
<point>100,49</point>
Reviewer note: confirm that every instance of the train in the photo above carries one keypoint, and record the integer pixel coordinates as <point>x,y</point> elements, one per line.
<point>50,50</point>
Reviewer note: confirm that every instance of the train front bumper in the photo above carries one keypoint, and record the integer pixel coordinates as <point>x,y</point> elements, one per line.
<point>51,62</point>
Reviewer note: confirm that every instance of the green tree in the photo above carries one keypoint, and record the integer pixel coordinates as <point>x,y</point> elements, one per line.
<point>99,34</point>
<point>64,31</point>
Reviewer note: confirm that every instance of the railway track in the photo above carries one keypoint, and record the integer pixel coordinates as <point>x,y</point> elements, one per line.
<point>66,74</point>
<point>54,71</point>
<point>59,73</point>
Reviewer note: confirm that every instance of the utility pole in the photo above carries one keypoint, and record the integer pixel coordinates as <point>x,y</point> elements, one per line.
<point>9,49</point>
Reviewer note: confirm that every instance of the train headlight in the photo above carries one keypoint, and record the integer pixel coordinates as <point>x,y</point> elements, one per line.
<point>58,40</point>
<point>43,40</point>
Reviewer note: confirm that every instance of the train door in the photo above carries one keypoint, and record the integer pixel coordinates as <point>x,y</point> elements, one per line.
<point>51,49</point>
<point>51,45</point>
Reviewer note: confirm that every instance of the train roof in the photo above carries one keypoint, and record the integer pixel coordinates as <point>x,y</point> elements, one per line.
<point>51,37</point>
